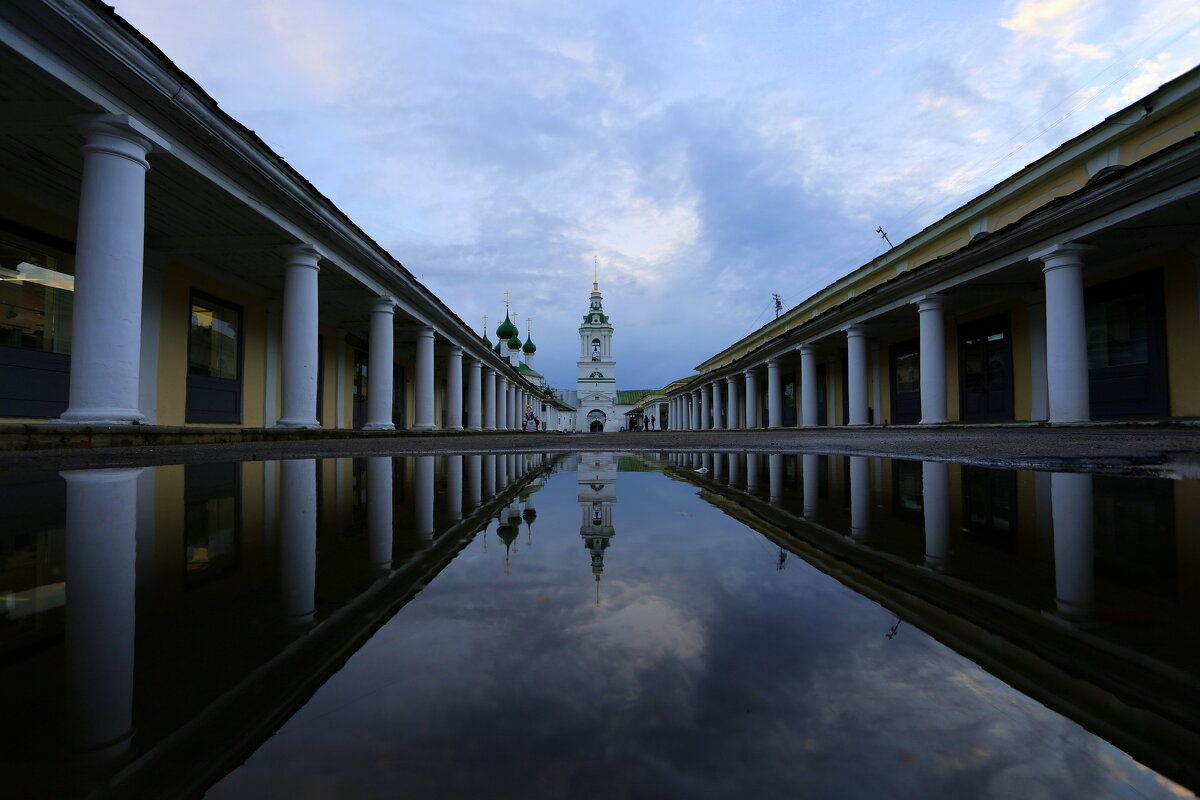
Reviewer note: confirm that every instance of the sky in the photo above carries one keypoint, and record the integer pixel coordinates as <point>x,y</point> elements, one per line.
<point>706,154</point>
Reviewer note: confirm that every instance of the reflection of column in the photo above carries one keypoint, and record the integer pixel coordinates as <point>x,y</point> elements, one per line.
<point>935,493</point>
<point>423,496</point>
<point>474,482</point>
<point>101,609</point>
<point>1071,507</point>
<point>810,463</point>
<point>856,374</point>
<point>454,486</point>
<point>379,513</point>
<point>808,385</point>
<point>454,393</point>
<point>501,472</point>
<point>752,473</point>
<point>860,497</point>
<point>775,465</point>
<point>718,468</point>
<point>734,471</point>
<point>380,366</point>
<point>706,462</point>
<point>751,399</point>
<point>298,541</point>
<point>933,359</point>
<point>489,475</point>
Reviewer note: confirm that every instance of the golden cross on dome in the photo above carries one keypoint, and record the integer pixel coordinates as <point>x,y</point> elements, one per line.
<point>506,295</point>
<point>528,326</point>
<point>485,319</point>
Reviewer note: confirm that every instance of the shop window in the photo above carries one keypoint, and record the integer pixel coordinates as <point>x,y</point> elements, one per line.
<point>214,380</point>
<point>212,521</point>
<point>1126,347</point>
<point>906,382</point>
<point>37,292</point>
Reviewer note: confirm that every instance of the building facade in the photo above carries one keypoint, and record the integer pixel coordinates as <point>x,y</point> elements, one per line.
<point>160,264</point>
<point>1068,293</point>
<point>597,369</point>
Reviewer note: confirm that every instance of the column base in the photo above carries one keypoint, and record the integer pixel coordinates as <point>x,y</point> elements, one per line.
<point>474,428</point>
<point>102,416</point>
<point>423,428</point>
<point>454,428</point>
<point>297,423</point>
<point>379,426</point>
<point>935,422</point>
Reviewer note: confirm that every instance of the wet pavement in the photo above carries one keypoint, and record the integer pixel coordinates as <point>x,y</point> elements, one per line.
<point>1120,449</point>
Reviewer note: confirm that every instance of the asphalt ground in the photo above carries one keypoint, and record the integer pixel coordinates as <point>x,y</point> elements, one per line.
<point>1172,452</point>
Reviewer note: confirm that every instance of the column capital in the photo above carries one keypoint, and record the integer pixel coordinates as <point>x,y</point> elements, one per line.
<point>856,330</point>
<point>120,135</point>
<point>1066,254</point>
<point>456,350</point>
<point>383,305</point>
<point>301,254</point>
<point>929,302</point>
<point>749,372</point>
<point>731,378</point>
<point>425,332</point>
<point>808,349</point>
<point>773,363</point>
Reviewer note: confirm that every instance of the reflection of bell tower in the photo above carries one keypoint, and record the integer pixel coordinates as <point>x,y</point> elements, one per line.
<point>597,496</point>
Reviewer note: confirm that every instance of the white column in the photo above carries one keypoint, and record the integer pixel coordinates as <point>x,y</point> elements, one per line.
<point>1035,306</point>
<point>474,395</point>
<point>1066,333</point>
<point>935,494</point>
<point>856,366</point>
<point>774,395</point>
<point>731,403</point>
<point>705,407</point>
<point>808,385</point>
<point>810,463</point>
<point>423,496</point>
<point>933,359</point>
<point>514,410</point>
<point>718,406</point>
<point>454,392</point>
<point>489,398</point>
<point>101,609</point>
<point>379,513</point>
<point>751,399</point>
<point>860,497</point>
<point>423,381</point>
<point>685,408</point>
<point>298,541</point>
<point>380,366</point>
<point>501,403</point>
<point>1071,509</point>
<point>107,317</point>
<point>299,358</point>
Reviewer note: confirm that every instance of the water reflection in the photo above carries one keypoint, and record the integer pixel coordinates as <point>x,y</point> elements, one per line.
<point>159,623</point>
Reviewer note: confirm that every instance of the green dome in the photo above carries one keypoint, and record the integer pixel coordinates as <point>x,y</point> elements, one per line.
<point>507,534</point>
<point>487,341</point>
<point>529,347</point>
<point>507,329</point>
<point>497,347</point>
<point>529,514</point>
<point>514,343</point>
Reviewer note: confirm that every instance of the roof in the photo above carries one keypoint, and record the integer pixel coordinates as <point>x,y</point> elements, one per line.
<point>525,369</point>
<point>629,397</point>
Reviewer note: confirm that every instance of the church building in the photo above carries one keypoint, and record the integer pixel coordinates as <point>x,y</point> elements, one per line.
<point>602,407</point>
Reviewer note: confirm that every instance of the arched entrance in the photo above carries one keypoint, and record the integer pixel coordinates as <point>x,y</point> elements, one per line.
<point>596,419</point>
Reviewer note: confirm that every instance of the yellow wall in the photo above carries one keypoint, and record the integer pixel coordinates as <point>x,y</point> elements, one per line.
<point>1163,133</point>
<point>1038,195</point>
<point>178,283</point>
<point>1182,299</point>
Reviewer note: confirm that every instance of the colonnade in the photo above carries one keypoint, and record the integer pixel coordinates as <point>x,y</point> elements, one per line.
<point>107,314</point>
<point>1060,363</point>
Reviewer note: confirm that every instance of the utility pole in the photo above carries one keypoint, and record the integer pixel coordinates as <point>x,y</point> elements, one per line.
<point>778,305</point>
<point>883,233</point>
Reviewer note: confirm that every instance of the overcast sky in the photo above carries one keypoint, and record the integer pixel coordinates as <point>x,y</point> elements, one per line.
<point>708,153</point>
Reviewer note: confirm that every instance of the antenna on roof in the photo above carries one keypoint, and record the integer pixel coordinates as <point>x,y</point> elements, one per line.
<point>778,304</point>
<point>883,233</point>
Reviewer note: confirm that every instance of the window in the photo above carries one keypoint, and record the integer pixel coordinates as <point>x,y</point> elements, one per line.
<point>595,349</point>
<point>595,320</point>
<point>596,374</point>
<point>214,339</point>
<point>1117,334</point>
<point>214,377</point>
<point>36,298</point>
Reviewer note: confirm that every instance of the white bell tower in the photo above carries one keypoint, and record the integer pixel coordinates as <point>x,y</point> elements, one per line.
<point>597,382</point>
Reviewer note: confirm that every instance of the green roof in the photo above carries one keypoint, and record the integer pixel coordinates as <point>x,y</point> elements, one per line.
<point>629,397</point>
<point>525,369</point>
